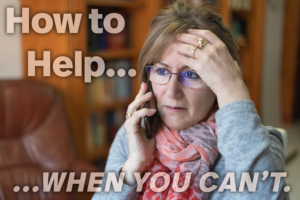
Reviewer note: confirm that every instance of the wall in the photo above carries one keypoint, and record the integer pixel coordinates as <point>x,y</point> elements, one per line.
<point>10,44</point>
<point>271,100</point>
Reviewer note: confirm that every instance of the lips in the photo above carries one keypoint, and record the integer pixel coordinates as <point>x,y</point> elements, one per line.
<point>174,108</point>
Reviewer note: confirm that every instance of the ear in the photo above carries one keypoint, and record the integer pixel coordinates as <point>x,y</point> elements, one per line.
<point>215,105</point>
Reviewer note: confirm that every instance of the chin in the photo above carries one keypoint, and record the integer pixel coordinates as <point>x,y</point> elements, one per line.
<point>175,121</point>
<point>175,124</point>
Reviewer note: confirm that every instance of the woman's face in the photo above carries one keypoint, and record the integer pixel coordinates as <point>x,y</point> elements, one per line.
<point>180,107</point>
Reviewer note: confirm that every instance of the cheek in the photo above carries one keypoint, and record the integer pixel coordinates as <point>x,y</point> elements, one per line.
<point>158,91</point>
<point>201,99</point>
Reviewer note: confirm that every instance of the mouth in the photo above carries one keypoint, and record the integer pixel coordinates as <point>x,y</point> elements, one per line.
<point>174,108</point>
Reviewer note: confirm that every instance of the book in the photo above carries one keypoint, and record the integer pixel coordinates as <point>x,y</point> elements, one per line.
<point>110,84</point>
<point>89,93</point>
<point>105,40</point>
<point>241,5</point>
<point>102,38</point>
<point>114,120</point>
<point>118,41</point>
<point>89,137</point>
<point>102,131</point>
<point>94,128</point>
<point>239,30</point>
<point>112,128</point>
<point>122,84</point>
<point>96,132</point>
<point>92,38</point>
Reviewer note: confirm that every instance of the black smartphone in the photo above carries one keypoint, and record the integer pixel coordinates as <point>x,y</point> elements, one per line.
<point>148,121</point>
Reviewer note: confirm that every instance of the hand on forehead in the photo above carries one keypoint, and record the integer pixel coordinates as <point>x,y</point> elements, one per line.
<point>193,35</point>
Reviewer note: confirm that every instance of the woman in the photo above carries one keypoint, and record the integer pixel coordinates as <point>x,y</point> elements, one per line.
<point>205,118</point>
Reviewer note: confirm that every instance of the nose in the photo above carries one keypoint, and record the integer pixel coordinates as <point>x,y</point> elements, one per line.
<point>174,89</point>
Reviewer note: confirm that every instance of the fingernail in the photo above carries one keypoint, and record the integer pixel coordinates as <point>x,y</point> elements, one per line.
<point>174,45</point>
<point>142,84</point>
<point>148,94</point>
<point>152,110</point>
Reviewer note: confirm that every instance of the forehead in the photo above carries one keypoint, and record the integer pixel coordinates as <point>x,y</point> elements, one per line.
<point>170,61</point>
<point>169,67</point>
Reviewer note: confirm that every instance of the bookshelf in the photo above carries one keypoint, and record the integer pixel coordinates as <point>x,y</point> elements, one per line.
<point>117,103</point>
<point>108,55</point>
<point>74,90</point>
<point>251,13</point>
<point>290,63</point>
<point>119,3</point>
<point>138,10</point>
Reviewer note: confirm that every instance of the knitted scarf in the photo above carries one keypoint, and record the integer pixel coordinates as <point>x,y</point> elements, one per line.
<point>191,150</point>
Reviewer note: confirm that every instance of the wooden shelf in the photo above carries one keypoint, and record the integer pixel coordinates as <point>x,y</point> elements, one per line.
<point>101,107</point>
<point>114,54</point>
<point>242,13</point>
<point>98,153</point>
<point>242,45</point>
<point>110,3</point>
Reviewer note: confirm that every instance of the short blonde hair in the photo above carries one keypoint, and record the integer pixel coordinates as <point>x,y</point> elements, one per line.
<point>178,18</point>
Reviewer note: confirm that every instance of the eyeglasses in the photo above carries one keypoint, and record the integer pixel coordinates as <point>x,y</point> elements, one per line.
<point>161,76</point>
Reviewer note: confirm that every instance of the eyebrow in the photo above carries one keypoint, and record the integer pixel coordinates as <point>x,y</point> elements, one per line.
<point>182,68</point>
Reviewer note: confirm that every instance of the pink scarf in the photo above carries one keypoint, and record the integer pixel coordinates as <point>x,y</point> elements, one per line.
<point>191,150</point>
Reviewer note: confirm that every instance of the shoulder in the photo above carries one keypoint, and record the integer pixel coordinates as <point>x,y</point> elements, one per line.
<point>120,141</point>
<point>277,143</point>
<point>121,134</point>
<point>275,149</point>
<point>275,135</point>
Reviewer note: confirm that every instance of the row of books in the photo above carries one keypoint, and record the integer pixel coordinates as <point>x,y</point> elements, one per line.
<point>241,5</point>
<point>239,30</point>
<point>103,126</point>
<point>211,2</point>
<point>109,41</point>
<point>122,0</point>
<point>104,89</point>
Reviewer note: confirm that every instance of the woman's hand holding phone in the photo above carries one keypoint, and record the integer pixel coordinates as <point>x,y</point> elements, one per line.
<point>140,147</point>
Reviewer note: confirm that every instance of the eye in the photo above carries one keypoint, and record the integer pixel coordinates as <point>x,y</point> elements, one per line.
<point>190,74</point>
<point>162,71</point>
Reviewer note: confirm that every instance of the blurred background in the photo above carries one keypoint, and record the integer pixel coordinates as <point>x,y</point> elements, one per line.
<point>267,32</point>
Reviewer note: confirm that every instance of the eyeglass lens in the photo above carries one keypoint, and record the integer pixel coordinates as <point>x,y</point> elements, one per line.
<point>161,76</point>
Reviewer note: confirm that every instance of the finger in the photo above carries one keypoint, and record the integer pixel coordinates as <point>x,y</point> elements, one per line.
<point>138,115</point>
<point>138,102</point>
<point>188,39</point>
<point>205,34</point>
<point>142,91</point>
<point>186,60</point>
<point>185,49</point>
